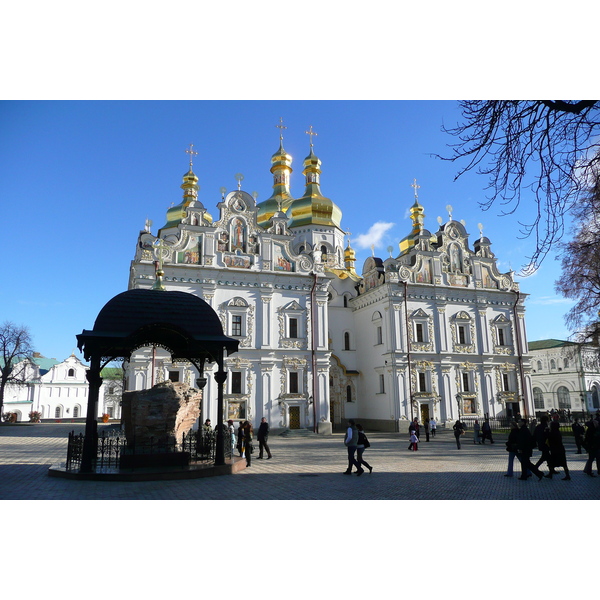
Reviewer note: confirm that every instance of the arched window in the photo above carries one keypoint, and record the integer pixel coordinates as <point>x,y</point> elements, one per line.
<point>566,363</point>
<point>57,412</point>
<point>539,365</point>
<point>324,251</point>
<point>595,398</point>
<point>71,373</point>
<point>552,365</point>
<point>348,393</point>
<point>538,398</point>
<point>76,411</point>
<point>564,399</point>
<point>346,341</point>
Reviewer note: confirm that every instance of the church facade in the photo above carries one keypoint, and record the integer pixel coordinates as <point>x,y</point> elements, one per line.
<point>436,330</point>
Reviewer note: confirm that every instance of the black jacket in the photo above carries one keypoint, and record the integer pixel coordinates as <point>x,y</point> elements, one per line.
<point>263,431</point>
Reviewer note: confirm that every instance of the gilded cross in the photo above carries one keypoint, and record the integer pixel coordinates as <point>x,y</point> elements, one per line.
<point>281,127</point>
<point>192,153</point>
<point>311,133</point>
<point>415,186</point>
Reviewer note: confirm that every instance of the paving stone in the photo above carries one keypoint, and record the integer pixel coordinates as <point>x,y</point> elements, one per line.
<point>302,468</point>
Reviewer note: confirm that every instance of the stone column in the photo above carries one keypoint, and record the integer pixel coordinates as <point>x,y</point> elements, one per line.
<point>90,442</point>
<point>220,378</point>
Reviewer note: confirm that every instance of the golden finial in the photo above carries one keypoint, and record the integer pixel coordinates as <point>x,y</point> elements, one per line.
<point>311,133</point>
<point>281,127</point>
<point>192,153</point>
<point>415,186</point>
<point>239,178</point>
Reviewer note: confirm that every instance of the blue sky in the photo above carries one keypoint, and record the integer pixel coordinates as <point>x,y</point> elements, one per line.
<point>79,178</point>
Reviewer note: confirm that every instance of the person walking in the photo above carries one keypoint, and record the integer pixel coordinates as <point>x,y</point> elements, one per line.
<point>540,434</point>
<point>558,456</point>
<point>414,440</point>
<point>351,441</point>
<point>248,449</point>
<point>591,443</point>
<point>433,425</point>
<point>511,447</point>
<point>240,438</point>
<point>486,432</point>
<point>262,436</point>
<point>427,425</point>
<point>459,429</point>
<point>476,432</point>
<point>361,445</point>
<point>413,426</point>
<point>525,445</point>
<point>578,433</point>
<point>232,436</point>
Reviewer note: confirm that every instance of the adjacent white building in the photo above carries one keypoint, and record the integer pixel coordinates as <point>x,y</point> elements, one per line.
<point>59,390</point>
<point>434,330</point>
<point>565,376</point>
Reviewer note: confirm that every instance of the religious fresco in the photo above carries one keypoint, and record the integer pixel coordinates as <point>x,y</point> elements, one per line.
<point>237,261</point>
<point>222,241</point>
<point>192,255</point>
<point>236,410</point>
<point>424,274</point>
<point>238,235</point>
<point>486,278</point>
<point>280,260</point>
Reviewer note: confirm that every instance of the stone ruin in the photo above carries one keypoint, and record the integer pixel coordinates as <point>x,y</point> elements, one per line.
<point>165,413</point>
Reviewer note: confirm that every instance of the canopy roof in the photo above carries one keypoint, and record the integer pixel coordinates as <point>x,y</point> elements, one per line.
<point>182,323</point>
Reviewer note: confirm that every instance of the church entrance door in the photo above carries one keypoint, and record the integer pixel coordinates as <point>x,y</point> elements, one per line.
<point>294,417</point>
<point>424,412</point>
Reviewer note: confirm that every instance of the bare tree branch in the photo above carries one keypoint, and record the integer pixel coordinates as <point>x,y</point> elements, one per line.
<point>540,151</point>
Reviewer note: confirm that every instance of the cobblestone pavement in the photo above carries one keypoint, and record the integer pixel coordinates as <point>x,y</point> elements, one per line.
<point>302,468</point>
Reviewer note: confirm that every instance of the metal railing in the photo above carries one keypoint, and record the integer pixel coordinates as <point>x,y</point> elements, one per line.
<point>197,446</point>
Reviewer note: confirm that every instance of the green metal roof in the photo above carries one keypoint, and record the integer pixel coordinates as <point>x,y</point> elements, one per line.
<point>546,344</point>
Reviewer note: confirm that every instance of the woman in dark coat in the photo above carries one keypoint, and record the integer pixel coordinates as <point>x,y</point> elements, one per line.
<point>511,447</point>
<point>558,456</point>
<point>248,431</point>
<point>459,429</point>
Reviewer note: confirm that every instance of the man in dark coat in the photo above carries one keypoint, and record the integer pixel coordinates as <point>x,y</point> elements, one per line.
<point>525,445</point>
<point>262,437</point>
<point>578,433</point>
<point>540,434</point>
<point>486,432</point>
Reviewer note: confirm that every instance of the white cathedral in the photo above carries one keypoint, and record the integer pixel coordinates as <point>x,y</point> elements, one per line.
<point>436,331</point>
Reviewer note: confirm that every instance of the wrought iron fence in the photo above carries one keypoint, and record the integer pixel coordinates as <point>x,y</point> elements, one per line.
<point>198,446</point>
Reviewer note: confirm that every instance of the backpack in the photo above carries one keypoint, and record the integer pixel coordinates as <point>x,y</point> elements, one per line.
<point>362,440</point>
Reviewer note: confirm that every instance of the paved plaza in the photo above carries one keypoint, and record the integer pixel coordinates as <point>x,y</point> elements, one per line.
<point>302,468</point>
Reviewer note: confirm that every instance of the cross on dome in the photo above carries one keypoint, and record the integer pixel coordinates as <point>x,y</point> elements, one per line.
<point>415,186</point>
<point>311,133</point>
<point>192,153</point>
<point>281,127</point>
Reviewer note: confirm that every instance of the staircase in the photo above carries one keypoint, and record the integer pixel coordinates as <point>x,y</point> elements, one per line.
<point>297,433</point>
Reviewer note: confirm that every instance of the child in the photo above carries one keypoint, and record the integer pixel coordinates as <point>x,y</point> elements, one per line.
<point>414,441</point>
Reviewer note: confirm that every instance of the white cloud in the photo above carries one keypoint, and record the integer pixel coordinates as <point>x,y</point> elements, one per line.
<point>547,300</point>
<point>373,236</point>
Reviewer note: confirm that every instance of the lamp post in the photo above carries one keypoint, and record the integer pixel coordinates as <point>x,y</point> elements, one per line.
<point>458,404</point>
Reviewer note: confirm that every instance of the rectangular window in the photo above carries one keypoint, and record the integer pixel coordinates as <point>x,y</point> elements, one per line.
<point>420,337</point>
<point>293,383</point>
<point>174,376</point>
<point>293,328</point>
<point>236,382</point>
<point>462,338</point>
<point>465,381</point>
<point>501,337</point>
<point>422,382</point>
<point>505,382</point>
<point>236,325</point>
<point>382,384</point>
<point>379,335</point>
